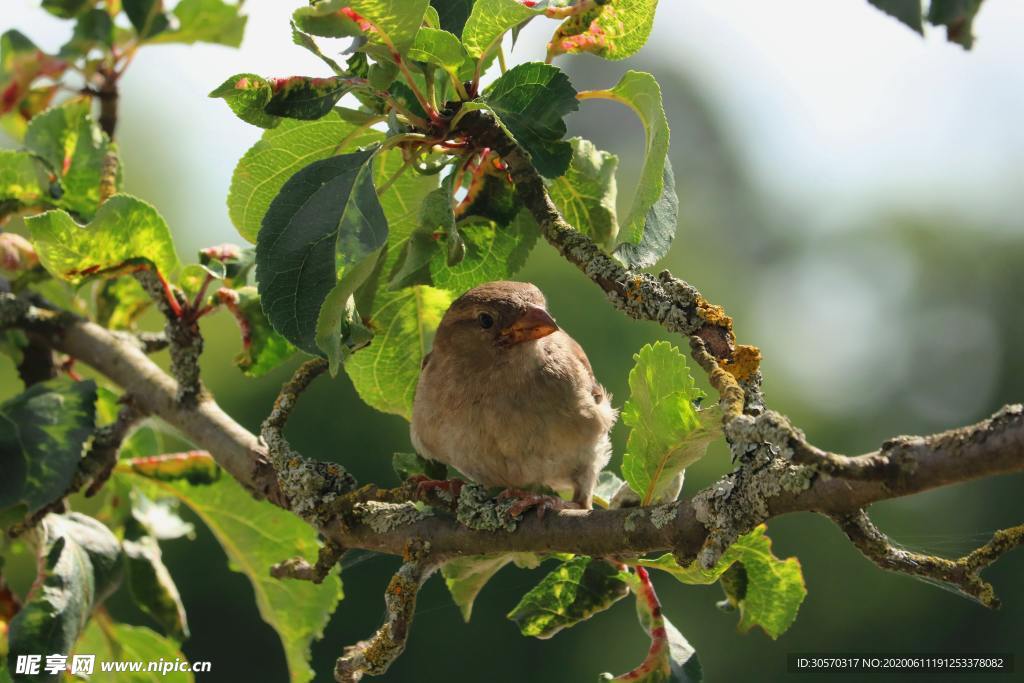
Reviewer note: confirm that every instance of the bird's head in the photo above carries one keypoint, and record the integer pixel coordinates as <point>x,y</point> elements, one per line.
<point>494,317</point>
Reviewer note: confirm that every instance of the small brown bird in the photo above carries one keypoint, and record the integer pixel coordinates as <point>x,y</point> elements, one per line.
<point>509,399</point>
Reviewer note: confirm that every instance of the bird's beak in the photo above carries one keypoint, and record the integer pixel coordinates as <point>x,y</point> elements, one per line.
<point>533,324</point>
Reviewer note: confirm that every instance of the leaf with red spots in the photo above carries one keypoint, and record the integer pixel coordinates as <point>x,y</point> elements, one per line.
<point>264,102</point>
<point>614,30</point>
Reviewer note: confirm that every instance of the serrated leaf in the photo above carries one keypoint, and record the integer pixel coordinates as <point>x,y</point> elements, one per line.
<point>775,588</point>
<point>125,229</point>
<point>443,49</point>
<point>255,536</point>
<point>487,23</point>
<point>492,253</point>
<point>586,194</point>
<point>152,588</point>
<point>659,227</point>
<point>80,565</point>
<point>907,12</point>
<point>465,577</point>
<point>573,592</point>
<point>73,146</point>
<point>263,349</point>
<point>43,432</point>
<point>640,92</point>
<point>615,30</point>
<point>385,373</point>
<point>320,231</point>
<point>22,179</point>
<point>452,14</point>
<point>958,18</point>
<point>667,433</point>
<point>283,151</point>
<point>123,642</point>
<point>206,21</point>
<point>265,102</point>
<point>531,100</point>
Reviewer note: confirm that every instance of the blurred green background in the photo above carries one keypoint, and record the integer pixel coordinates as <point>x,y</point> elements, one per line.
<point>852,194</point>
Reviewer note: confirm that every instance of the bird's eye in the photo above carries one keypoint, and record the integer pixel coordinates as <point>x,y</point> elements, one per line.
<point>485,320</point>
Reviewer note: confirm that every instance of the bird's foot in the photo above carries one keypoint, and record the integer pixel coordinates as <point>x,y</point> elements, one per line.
<point>425,486</point>
<point>526,500</point>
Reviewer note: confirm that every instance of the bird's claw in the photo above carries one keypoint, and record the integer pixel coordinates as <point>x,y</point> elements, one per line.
<point>425,486</point>
<point>526,500</point>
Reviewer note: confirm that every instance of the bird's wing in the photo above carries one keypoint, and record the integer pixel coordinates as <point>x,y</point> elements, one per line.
<point>596,390</point>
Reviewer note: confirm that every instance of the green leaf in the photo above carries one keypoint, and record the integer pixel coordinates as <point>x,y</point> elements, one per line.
<point>80,565</point>
<point>285,150</point>
<point>442,49</point>
<point>147,17</point>
<point>640,92</point>
<point>263,349</point>
<point>43,432</point>
<point>531,100</point>
<point>576,590</point>
<point>775,588</point>
<point>404,204</point>
<point>159,518</point>
<point>452,14</point>
<point>125,229</point>
<point>22,179</point>
<point>615,29</point>
<point>494,199</point>
<point>385,373</point>
<point>466,577</point>
<point>122,642</point>
<point>327,18</point>
<point>586,194</point>
<point>958,18</point>
<point>255,536</point>
<point>667,434</point>
<point>206,21</point>
<point>320,231</point>
<point>120,302</point>
<point>67,9</point>
<point>659,227</point>
<point>906,11</point>
<point>264,102</point>
<point>94,29</point>
<point>395,22</point>
<point>248,96</point>
<point>492,253</point>
<point>152,588</point>
<point>305,98</point>
<point>487,23</point>
<point>74,147</point>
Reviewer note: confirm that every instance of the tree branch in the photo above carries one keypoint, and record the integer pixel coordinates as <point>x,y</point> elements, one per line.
<point>963,573</point>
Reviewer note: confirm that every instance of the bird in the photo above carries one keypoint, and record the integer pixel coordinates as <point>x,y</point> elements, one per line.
<point>509,399</point>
